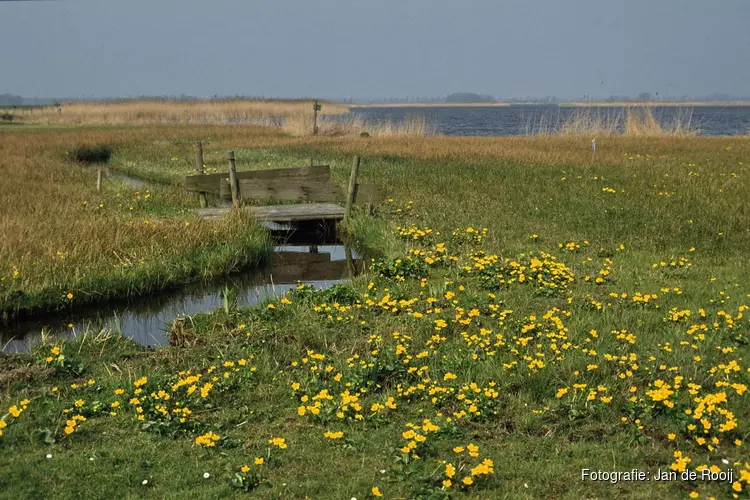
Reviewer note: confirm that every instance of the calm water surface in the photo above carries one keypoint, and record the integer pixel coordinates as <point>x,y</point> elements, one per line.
<point>523,120</point>
<point>146,321</point>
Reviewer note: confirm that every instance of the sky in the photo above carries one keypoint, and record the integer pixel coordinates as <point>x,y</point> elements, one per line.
<point>374,49</point>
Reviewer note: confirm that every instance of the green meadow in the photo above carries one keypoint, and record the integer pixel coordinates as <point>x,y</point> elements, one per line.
<point>531,309</point>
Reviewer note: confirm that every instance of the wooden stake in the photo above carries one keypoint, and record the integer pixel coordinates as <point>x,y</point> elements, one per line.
<point>351,192</point>
<point>201,170</point>
<point>233,181</point>
<point>99,175</point>
<point>315,118</point>
<point>199,158</point>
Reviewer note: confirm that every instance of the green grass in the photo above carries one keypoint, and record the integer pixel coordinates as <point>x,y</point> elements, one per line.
<point>69,245</point>
<point>532,197</point>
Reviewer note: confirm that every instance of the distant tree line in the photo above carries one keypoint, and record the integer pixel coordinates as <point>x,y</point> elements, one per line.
<point>17,100</point>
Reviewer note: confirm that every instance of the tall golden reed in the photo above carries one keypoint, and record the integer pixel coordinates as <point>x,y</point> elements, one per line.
<point>637,121</point>
<point>177,112</point>
<point>301,124</point>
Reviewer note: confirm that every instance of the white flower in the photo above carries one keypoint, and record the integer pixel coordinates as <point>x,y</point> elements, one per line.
<point>144,482</point>
<point>382,471</point>
<point>49,455</point>
<point>91,459</point>
<point>725,461</point>
<point>206,475</point>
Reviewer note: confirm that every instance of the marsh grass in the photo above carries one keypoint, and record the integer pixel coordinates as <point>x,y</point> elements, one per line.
<point>629,121</point>
<point>65,244</point>
<point>353,124</point>
<point>175,112</point>
<point>87,154</point>
<point>664,196</point>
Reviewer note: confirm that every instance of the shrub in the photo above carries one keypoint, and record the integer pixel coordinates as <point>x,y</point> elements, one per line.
<point>364,134</point>
<point>7,117</point>
<point>95,154</point>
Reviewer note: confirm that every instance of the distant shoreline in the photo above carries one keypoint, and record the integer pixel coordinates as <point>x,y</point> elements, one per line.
<point>604,104</point>
<point>593,104</point>
<point>433,105</point>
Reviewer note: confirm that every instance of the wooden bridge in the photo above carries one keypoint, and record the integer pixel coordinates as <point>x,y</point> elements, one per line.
<point>310,185</point>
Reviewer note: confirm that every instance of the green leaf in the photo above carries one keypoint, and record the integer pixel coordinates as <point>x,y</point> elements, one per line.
<point>46,436</point>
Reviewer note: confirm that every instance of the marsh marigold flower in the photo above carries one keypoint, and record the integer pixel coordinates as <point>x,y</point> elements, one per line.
<point>278,441</point>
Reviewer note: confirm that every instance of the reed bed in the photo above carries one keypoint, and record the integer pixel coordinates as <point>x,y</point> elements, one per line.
<point>640,121</point>
<point>301,124</point>
<point>176,112</point>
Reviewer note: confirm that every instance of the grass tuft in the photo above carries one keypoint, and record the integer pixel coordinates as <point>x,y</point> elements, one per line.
<point>91,154</point>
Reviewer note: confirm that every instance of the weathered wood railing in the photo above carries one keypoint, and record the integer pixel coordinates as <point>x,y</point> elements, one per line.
<point>303,184</point>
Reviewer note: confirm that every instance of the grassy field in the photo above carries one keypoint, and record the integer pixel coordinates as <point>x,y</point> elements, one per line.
<point>65,244</point>
<point>536,309</point>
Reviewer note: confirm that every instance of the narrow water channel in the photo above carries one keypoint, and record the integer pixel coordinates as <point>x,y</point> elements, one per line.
<point>309,253</point>
<point>146,320</point>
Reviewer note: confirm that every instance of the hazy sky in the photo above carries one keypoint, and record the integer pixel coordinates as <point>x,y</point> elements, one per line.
<point>374,48</point>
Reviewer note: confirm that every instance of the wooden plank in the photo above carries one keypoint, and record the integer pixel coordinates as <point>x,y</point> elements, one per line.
<point>304,190</point>
<point>281,213</point>
<point>211,183</point>
<point>289,213</point>
<point>291,189</point>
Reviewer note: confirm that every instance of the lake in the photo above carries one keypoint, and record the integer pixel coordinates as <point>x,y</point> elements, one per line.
<point>526,119</point>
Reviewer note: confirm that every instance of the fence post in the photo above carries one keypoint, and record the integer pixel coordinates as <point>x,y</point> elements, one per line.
<point>351,192</point>
<point>233,181</point>
<point>99,175</point>
<point>199,168</point>
<point>316,107</point>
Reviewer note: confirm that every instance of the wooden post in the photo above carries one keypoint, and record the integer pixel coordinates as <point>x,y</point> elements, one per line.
<point>311,161</point>
<point>201,170</point>
<point>315,117</point>
<point>233,181</point>
<point>199,158</point>
<point>99,174</point>
<point>351,192</point>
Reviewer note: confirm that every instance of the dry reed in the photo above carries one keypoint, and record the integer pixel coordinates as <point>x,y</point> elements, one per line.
<point>301,124</point>
<point>176,112</point>
<point>627,121</point>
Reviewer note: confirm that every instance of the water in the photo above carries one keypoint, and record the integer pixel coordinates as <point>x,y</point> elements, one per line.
<point>146,321</point>
<point>308,252</point>
<point>523,120</point>
<point>130,181</point>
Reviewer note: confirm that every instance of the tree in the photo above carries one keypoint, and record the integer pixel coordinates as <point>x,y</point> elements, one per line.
<point>644,97</point>
<point>468,97</point>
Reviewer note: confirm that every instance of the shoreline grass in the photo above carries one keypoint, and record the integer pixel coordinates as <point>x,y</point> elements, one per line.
<point>626,121</point>
<point>355,125</point>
